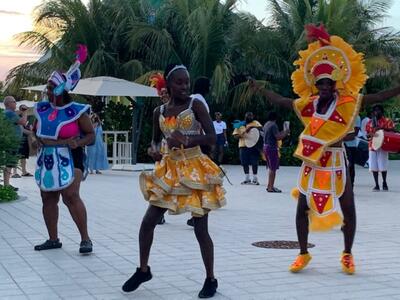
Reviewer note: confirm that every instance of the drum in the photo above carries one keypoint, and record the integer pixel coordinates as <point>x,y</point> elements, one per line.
<point>387,141</point>
<point>251,137</point>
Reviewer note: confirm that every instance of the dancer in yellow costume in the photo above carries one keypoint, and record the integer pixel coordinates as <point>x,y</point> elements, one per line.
<point>184,179</point>
<point>329,77</point>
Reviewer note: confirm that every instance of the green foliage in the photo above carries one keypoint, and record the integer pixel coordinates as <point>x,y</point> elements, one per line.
<point>9,142</point>
<point>131,39</point>
<point>7,194</point>
<point>118,117</point>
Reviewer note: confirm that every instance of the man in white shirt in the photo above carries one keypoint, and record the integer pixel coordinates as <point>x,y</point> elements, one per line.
<point>222,141</point>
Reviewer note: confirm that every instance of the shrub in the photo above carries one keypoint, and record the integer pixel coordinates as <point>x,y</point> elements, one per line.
<point>7,194</point>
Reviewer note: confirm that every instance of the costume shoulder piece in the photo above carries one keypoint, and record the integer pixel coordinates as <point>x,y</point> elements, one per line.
<point>51,118</point>
<point>329,57</point>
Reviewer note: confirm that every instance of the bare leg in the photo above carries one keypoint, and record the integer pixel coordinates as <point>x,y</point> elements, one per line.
<point>14,171</point>
<point>271,179</point>
<point>349,214</point>
<point>206,244</point>
<point>7,174</point>
<point>50,212</point>
<point>23,166</point>
<point>302,223</point>
<point>146,233</point>
<point>76,207</point>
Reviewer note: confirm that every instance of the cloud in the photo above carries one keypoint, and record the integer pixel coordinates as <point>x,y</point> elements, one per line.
<point>9,12</point>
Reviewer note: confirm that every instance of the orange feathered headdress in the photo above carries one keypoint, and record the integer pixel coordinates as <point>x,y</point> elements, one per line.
<point>157,80</point>
<point>328,57</point>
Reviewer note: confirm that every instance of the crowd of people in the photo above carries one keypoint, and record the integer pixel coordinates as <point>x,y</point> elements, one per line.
<point>188,149</point>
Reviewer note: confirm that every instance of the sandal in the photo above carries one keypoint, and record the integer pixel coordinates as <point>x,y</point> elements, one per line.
<point>27,174</point>
<point>16,176</point>
<point>47,245</point>
<point>274,190</point>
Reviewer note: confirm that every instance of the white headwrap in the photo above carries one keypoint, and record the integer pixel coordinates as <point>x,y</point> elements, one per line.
<point>177,67</point>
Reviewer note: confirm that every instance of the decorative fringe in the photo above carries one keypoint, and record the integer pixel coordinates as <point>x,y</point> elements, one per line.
<point>324,223</point>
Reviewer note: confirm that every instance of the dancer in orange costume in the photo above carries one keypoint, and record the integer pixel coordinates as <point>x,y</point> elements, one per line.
<point>328,79</point>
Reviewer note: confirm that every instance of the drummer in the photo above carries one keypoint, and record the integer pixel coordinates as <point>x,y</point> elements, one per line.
<point>249,152</point>
<point>378,159</point>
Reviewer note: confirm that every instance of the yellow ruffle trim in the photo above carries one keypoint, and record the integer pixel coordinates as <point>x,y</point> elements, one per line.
<point>324,223</point>
<point>184,181</point>
<point>317,222</point>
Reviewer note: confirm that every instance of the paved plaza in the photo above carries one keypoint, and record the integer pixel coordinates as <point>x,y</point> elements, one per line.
<point>115,208</point>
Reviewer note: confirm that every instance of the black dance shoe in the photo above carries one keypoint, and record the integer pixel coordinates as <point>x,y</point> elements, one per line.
<point>136,280</point>
<point>209,288</point>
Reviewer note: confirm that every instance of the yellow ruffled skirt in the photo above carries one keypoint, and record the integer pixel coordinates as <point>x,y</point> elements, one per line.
<point>184,180</point>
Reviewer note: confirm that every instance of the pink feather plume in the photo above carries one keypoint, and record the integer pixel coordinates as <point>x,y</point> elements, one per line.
<point>81,53</point>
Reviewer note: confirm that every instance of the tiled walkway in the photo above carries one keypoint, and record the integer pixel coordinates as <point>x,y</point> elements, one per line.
<point>115,208</point>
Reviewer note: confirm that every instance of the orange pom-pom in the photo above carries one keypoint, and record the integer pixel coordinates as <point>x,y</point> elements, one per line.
<point>295,193</point>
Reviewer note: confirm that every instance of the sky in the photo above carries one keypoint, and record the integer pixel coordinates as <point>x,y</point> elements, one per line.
<point>16,17</point>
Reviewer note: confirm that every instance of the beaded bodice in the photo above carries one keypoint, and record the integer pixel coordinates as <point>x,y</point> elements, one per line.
<point>185,122</point>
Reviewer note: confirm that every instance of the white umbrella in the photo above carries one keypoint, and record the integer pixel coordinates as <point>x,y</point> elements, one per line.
<point>107,86</point>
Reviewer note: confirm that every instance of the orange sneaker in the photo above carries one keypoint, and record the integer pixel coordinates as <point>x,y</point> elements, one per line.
<point>347,261</point>
<point>300,263</point>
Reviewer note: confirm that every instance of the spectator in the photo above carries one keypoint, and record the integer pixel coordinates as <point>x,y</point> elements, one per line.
<point>222,141</point>
<point>201,89</point>
<point>248,146</point>
<point>378,159</point>
<point>23,151</point>
<point>271,151</point>
<point>17,121</point>
<point>97,157</point>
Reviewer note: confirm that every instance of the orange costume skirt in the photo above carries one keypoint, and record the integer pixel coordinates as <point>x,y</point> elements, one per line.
<point>185,180</point>
<point>323,184</point>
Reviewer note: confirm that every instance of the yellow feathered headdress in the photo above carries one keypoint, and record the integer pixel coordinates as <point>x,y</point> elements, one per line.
<point>328,57</point>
